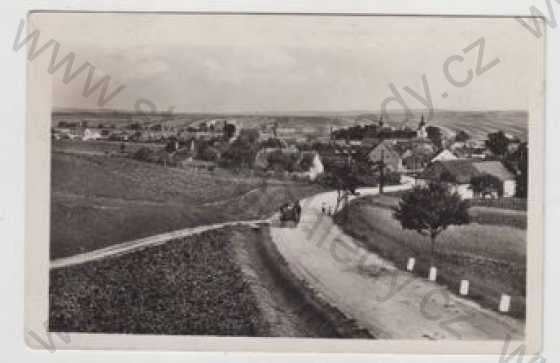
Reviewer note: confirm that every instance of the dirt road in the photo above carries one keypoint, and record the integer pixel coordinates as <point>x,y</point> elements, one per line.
<point>138,244</point>
<point>388,302</point>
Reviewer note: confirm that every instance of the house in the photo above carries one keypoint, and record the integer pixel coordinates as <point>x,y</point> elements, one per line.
<point>90,134</point>
<point>306,164</point>
<point>443,156</point>
<point>457,145</point>
<point>340,142</point>
<point>459,173</point>
<point>410,156</point>
<point>387,152</point>
<point>67,133</point>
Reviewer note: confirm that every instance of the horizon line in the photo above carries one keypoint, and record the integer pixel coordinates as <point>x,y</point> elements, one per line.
<point>255,112</point>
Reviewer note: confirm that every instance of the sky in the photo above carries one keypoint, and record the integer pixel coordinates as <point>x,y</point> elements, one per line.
<point>282,63</point>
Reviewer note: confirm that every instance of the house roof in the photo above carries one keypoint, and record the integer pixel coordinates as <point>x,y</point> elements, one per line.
<point>389,146</point>
<point>494,168</point>
<point>404,149</point>
<point>463,170</point>
<point>444,155</point>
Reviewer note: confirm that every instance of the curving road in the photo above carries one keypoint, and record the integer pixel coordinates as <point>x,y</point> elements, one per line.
<point>388,302</point>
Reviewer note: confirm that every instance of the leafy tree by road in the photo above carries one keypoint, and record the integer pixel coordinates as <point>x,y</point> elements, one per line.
<point>344,180</point>
<point>430,210</point>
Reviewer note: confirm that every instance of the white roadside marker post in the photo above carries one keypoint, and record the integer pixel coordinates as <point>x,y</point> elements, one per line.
<point>505,302</point>
<point>433,274</point>
<point>464,289</point>
<point>410,264</point>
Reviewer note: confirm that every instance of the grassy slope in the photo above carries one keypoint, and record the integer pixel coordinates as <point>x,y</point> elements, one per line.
<point>492,257</point>
<point>101,200</point>
<point>481,215</point>
<point>189,286</point>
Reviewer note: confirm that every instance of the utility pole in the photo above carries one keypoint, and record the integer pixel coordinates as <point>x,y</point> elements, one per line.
<point>381,171</point>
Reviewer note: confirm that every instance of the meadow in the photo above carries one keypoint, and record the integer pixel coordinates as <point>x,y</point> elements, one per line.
<point>99,200</point>
<point>491,256</point>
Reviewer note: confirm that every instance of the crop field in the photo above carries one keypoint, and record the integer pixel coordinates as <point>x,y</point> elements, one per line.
<point>476,123</point>
<point>491,257</point>
<point>479,124</point>
<point>98,147</point>
<point>190,286</point>
<point>100,200</point>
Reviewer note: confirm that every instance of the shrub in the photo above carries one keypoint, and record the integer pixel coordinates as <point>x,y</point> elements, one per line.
<point>144,154</point>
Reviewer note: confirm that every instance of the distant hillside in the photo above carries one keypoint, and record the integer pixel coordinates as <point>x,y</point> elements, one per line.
<point>477,123</point>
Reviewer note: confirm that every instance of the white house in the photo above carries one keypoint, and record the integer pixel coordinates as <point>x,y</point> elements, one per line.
<point>91,135</point>
<point>459,173</point>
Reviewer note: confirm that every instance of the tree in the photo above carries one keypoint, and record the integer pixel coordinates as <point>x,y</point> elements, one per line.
<point>229,130</point>
<point>143,154</point>
<point>462,136</point>
<point>518,163</point>
<point>243,150</point>
<point>249,136</point>
<point>429,210</point>
<point>134,126</point>
<point>172,145</point>
<point>344,180</point>
<point>435,135</point>
<point>485,184</point>
<point>208,153</point>
<point>282,161</point>
<point>497,143</point>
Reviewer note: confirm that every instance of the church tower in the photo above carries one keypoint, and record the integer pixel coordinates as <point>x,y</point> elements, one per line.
<point>421,131</point>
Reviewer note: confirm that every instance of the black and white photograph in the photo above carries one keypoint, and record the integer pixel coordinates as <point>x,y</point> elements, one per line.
<point>329,178</point>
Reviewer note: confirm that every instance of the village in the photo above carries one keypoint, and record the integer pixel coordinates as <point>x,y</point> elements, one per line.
<point>490,168</point>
